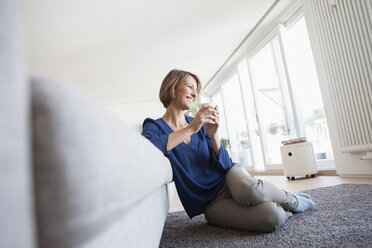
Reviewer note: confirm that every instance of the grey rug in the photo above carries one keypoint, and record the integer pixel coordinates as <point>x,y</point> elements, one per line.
<point>342,218</point>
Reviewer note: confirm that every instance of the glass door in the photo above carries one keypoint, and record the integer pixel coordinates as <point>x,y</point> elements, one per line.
<point>236,122</point>
<point>222,131</point>
<point>272,101</point>
<point>306,91</point>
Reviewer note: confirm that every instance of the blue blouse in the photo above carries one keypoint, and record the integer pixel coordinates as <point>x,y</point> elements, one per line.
<point>197,172</point>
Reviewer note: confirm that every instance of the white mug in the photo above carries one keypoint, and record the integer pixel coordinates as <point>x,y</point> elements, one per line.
<point>213,105</point>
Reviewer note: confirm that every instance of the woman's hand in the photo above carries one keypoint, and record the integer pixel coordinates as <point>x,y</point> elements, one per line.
<point>212,128</point>
<point>206,115</point>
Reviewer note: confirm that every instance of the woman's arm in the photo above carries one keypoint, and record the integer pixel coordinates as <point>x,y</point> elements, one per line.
<point>212,130</point>
<point>175,138</point>
<point>220,156</point>
<point>216,145</point>
<point>203,116</point>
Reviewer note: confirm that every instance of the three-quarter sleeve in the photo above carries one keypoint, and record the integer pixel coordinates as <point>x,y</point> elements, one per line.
<point>151,131</point>
<point>223,162</point>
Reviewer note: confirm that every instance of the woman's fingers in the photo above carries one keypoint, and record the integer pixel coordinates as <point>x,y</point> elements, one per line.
<point>207,108</point>
<point>210,111</point>
<point>208,114</point>
<point>211,119</point>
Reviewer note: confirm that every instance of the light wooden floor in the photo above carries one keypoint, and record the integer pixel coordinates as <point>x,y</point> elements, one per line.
<point>299,184</point>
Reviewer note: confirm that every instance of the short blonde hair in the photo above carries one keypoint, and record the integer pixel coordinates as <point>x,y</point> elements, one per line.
<point>171,81</point>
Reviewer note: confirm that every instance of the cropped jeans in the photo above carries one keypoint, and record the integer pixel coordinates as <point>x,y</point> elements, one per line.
<point>247,203</point>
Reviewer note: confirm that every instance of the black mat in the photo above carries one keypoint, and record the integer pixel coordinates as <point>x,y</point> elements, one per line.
<point>342,218</point>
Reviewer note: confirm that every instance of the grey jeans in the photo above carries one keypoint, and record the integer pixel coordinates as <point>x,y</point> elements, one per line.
<point>247,203</point>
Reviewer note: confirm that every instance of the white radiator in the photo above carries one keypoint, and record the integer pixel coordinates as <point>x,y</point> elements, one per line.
<point>344,28</point>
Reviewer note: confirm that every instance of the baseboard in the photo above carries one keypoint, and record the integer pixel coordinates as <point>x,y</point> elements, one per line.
<point>267,173</point>
<point>328,172</point>
<point>355,175</point>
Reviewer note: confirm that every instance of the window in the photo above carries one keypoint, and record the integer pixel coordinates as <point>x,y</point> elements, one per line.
<point>236,123</point>
<point>274,113</point>
<point>306,91</point>
<point>274,95</point>
<point>222,131</point>
<point>251,117</point>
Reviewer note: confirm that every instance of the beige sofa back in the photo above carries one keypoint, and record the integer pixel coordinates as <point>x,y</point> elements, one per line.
<point>91,171</point>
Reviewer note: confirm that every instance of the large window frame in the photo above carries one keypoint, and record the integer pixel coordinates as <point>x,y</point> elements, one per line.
<point>300,128</point>
<point>219,90</point>
<point>278,30</point>
<point>283,82</point>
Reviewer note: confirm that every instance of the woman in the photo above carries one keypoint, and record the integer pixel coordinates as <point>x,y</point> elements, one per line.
<point>206,179</point>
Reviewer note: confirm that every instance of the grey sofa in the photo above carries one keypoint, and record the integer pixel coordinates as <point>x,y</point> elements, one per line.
<point>72,174</point>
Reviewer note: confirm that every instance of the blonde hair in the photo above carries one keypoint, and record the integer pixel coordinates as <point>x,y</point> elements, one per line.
<point>171,81</point>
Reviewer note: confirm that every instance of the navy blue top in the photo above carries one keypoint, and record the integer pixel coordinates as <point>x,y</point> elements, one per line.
<point>197,172</point>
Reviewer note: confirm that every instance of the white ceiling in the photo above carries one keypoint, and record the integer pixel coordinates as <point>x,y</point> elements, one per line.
<point>120,50</point>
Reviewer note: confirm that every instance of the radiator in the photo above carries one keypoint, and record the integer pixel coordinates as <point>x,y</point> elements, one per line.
<point>344,28</point>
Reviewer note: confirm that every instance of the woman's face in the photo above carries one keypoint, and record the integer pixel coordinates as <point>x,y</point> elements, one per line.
<point>186,93</point>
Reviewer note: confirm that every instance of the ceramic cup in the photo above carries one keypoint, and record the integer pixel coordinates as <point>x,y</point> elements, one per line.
<point>205,104</point>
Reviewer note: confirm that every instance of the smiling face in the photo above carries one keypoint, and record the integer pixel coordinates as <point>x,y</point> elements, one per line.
<point>185,93</point>
<point>187,86</point>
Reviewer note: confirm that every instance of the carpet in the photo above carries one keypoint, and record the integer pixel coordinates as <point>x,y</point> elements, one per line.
<point>342,218</point>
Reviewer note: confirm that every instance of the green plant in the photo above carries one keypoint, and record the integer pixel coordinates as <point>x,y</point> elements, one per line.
<point>283,128</point>
<point>225,143</point>
<point>193,110</point>
<point>273,128</point>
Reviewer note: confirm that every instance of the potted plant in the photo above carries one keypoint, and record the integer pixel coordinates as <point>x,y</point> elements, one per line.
<point>226,143</point>
<point>273,129</point>
<point>244,140</point>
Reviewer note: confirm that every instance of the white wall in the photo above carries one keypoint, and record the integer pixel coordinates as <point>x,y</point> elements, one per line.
<point>347,164</point>
<point>133,114</point>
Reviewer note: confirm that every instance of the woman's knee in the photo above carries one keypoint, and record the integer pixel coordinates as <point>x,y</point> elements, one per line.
<point>212,212</point>
<point>208,215</point>
<point>265,217</point>
<point>273,216</point>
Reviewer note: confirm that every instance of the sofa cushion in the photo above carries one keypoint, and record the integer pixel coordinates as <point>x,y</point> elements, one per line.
<point>90,169</point>
<point>142,227</point>
<point>16,194</point>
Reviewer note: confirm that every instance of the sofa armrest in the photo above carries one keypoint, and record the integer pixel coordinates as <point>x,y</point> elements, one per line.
<point>89,167</point>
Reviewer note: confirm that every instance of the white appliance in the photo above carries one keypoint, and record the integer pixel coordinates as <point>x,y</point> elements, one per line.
<point>298,160</point>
